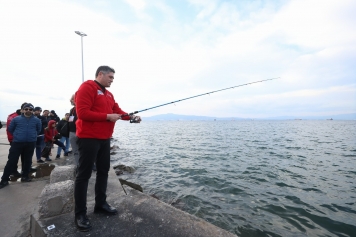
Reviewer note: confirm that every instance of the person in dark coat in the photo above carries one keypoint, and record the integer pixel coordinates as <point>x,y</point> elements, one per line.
<point>63,129</point>
<point>45,114</point>
<point>53,116</point>
<point>72,129</point>
<point>40,138</point>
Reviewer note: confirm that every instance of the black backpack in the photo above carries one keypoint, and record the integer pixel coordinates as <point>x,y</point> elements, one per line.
<point>64,130</point>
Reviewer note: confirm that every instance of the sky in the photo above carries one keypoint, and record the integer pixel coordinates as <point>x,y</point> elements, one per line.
<point>166,50</point>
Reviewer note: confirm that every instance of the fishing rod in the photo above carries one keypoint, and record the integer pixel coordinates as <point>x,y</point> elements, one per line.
<point>207,93</point>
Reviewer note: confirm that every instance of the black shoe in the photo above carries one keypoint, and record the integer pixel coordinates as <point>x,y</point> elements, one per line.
<point>57,156</point>
<point>105,208</point>
<point>70,152</point>
<point>16,174</point>
<point>82,222</point>
<point>3,184</point>
<point>66,154</point>
<point>26,179</point>
<point>40,161</point>
<point>33,170</point>
<point>48,159</point>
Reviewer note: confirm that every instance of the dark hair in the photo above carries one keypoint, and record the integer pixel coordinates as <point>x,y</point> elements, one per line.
<point>23,104</point>
<point>104,69</point>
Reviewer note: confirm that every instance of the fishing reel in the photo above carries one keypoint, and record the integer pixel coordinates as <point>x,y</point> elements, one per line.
<point>135,119</point>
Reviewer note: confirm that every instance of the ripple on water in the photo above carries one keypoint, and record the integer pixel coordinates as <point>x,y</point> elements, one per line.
<point>253,178</point>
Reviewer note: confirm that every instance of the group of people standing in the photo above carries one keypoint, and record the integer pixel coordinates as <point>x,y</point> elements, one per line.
<point>91,123</point>
<point>29,131</point>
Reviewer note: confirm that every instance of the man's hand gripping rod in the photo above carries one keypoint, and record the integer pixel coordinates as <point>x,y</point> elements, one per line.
<point>133,119</point>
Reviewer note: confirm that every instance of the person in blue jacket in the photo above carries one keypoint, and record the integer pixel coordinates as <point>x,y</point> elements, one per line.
<point>25,129</point>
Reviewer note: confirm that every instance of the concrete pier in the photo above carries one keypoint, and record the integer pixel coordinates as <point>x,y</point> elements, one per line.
<point>138,213</point>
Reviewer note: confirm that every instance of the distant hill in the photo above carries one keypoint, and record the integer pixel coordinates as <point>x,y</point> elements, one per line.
<point>195,118</point>
<point>334,117</point>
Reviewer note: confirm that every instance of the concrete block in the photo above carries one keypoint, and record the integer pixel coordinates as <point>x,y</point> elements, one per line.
<point>63,173</point>
<point>56,198</point>
<point>36,227</point>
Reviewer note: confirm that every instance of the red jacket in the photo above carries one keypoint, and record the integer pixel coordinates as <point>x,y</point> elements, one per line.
<point>92,106</point>
<point>50,131</point>
<point>9,118</point>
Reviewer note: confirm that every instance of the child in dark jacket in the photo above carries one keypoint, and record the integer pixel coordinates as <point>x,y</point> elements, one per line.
<point>49,136</point>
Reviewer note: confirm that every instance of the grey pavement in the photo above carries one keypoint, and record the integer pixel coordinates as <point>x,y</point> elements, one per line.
<point>18,200</point>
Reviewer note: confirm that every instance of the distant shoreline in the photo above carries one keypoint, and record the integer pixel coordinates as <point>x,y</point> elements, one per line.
<point>171,116</point>
<point>241,120</point>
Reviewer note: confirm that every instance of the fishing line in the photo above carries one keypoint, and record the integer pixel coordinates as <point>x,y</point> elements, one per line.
<point>191,97</point>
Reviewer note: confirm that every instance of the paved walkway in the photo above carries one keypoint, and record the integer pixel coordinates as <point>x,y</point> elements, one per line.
<point>18,200</point>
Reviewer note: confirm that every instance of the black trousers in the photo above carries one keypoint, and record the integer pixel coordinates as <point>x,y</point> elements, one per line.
<point>26,150</point>
<point>22,163</point>
<point>91,150</point>
<point>58,143</point>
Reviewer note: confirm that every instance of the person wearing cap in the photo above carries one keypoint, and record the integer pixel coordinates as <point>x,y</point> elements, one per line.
<point>53,116</point>
<point>40,138</point>
<point>10,117</point>
<point>97,113</point>
<point>24,129</point>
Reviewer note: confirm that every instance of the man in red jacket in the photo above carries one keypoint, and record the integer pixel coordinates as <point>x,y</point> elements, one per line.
<point>97,113</point>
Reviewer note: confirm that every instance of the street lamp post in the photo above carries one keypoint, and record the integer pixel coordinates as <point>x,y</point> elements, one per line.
<point>81,34</point>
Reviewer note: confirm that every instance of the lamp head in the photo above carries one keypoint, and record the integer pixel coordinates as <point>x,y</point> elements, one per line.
<point>80,33</point>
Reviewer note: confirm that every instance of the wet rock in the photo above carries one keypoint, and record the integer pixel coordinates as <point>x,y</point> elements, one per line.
<point>125,168</point>
<point>178,204</point>
<point>119,172</point>
<point>119,167</point>
<point>114,147</point>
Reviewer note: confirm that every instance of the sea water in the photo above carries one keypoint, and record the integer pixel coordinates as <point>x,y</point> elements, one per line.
<point>252,178</point>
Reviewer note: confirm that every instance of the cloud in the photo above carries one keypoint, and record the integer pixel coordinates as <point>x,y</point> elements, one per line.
<point>167,51</point>
<point>138,5</point>
<point>315,25</point>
